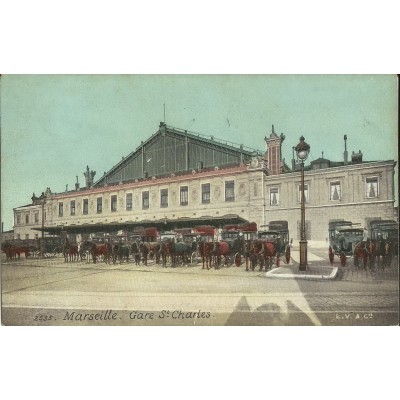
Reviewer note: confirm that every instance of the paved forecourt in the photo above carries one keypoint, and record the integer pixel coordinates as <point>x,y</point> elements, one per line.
<point>53,292</point>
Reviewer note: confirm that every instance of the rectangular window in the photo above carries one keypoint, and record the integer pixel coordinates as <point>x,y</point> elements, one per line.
<point>60,209</point>
<point>36,236</point>
<point>164,198</point>
<point>27,218</point>
<point>99,205</point>
<point>305,193</point>
<point>114,202</point>
<point>184,195</point>
<point>86,206</point>
<point>27,236</point>
<point>18,236</point>
<point>129,201</point>
<point>72,206</point>
<point>145,200</point>
<point>335,192</point>
<point>205,193</point>
<point>229,190</point>
<point>372,187</point>
<point>18,219</point>
<point>36,217</point>
<point>274,196</point>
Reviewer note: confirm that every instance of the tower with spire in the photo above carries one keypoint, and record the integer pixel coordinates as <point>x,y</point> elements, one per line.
<point>273,153</point>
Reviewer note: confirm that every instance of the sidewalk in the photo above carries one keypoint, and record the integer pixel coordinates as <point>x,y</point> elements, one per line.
<point>313,272</point>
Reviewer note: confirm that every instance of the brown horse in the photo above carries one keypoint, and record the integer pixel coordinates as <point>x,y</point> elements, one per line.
<point>150,250</point>
<point>70,250</point>
<point>205,250</point>
<point>386,248</point>
<point>361,252</point>
<point>266,253</point>
<point>96,250</point>
<point>165,251</point>
<point>10,251</point>
<point>221,249</point>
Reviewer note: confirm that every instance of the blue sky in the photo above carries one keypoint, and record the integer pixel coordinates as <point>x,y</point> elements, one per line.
<point>52,126</point>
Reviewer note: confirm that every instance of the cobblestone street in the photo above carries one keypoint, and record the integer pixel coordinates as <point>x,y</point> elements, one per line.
<point>37,292</point>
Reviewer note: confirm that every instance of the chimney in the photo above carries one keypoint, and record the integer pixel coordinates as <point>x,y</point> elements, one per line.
<point>77,184</point>
<point>356,158</point>
<point>345,154</point>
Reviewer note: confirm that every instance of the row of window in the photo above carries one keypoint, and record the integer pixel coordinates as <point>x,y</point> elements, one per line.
<point>27,236</point>
<point>27,218</point>
<point>184,199</point>
<point>335,192</point>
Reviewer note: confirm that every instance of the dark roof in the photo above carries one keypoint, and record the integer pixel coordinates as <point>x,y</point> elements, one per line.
<point>199,138</point>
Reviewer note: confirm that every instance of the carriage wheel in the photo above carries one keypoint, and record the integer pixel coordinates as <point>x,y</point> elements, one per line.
<point>238,259</point>
<point>193,258</point>
<point>342,257</point>
<point>287,254</point>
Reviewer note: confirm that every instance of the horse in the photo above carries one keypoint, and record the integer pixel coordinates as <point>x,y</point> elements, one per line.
<point>205,250</point>
<point>221,249</point>
<point>386,248</point>
<point>135,250</point>
<point>121,252</point>
<point>144,251</point>
<point>153,249</point>
<point>165,251</point>
<point>180,250</point>
<point>266,252</point>
<point>96,250</point>
<point>10,250</point>
<point>70,250</point>
<point>361,253</point>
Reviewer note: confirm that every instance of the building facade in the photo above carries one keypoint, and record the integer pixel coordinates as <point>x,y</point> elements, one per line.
<point>179,179</point>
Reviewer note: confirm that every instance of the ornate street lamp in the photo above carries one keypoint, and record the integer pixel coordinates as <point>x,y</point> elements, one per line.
<point>302,150</point>
<point>42,201</point>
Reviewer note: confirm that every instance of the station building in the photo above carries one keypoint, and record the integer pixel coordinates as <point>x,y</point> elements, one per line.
<point>178,179</point>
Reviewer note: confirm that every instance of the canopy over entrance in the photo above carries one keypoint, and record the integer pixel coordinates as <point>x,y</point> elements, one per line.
<point>163,224</point>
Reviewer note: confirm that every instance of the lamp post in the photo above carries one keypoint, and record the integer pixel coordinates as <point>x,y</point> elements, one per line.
<point>302,150</point>
<point>42,202</point>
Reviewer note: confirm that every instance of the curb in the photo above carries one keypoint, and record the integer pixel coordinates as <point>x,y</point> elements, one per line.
<point>333,274</point>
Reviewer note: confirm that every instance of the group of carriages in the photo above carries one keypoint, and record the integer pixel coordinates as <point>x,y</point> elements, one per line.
<point>369,248</point>
<point>51,246</point>
<point>241,244</point>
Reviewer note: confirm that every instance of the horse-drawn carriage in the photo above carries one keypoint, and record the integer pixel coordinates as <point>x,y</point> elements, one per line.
<point>234,243</point>
<point>384,242</point>
<point>344,238</point>
<point>272,245</point>
<point>51,247</point>
<point>385,230</point>
<point>13,248</point>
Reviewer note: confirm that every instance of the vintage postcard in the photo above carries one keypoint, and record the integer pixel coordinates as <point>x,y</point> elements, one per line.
<point>199,200</point>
